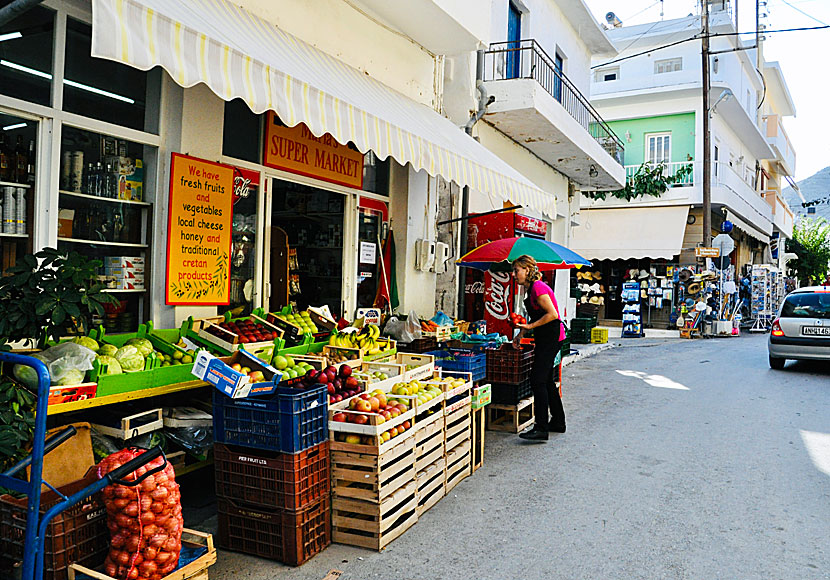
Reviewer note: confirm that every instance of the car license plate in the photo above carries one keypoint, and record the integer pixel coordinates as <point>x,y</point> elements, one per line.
<point>815,330</point>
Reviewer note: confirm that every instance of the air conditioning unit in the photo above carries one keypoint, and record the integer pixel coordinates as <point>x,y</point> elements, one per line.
<point>442,257</point>
<point>424,255</point>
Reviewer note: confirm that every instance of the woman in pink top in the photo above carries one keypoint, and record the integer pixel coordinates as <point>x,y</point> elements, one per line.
<point>548,333</point>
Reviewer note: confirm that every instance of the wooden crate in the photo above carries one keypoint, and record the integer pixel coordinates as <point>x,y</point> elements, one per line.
<point>477,438</point>
<point>429,442</point>
<point>431,485</point>
<point>458,465</point>
<point>196,570</point>
<point>133,425</point>
<point>510,418</point>
<point>374,525</point>
<point>457,429</point>
<point>373,478</point>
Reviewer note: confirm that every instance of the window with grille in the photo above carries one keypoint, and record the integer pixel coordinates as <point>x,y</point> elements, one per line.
<point>668,65</point>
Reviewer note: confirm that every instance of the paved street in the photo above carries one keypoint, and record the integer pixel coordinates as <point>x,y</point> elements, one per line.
<point>683,459</point>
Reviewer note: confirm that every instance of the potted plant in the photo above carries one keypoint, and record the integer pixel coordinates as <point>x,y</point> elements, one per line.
<point>49,294</point>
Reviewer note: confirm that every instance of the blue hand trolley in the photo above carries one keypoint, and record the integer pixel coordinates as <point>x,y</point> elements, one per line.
<point>35,524</point>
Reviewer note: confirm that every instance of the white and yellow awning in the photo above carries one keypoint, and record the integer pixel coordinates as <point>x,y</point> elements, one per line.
<point>237,54</point>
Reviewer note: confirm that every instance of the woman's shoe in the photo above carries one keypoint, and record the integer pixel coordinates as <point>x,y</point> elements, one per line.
<point>534,435</point>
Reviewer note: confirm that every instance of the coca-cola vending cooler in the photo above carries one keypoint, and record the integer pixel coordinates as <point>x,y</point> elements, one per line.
<point>490,296</point>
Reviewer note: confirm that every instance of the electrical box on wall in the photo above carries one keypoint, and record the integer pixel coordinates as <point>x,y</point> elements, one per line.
<point>442,256</point>
<point>424,255</point>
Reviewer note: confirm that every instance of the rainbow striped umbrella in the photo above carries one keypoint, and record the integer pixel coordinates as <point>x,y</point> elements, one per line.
<point>498,256</point>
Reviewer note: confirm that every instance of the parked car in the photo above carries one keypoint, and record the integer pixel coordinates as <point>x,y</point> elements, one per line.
<point>802,329</point>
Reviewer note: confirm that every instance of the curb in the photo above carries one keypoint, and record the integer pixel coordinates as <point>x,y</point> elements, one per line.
<point>586,351</point>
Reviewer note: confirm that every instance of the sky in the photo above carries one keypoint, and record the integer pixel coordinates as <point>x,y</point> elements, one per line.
<point>802,56</point>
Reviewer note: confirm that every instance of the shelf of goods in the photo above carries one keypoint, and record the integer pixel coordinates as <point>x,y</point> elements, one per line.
<point>385,473</point>
<point>632,311</point>
<point>765,291</point>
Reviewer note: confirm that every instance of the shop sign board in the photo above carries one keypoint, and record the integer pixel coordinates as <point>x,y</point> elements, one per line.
<point>531,225</point>
<point>297,150</point>
<point>707,252</point>
<point>199,232</point>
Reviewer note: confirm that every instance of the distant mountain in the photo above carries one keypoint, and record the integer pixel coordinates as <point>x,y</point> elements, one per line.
<point>817,185</point>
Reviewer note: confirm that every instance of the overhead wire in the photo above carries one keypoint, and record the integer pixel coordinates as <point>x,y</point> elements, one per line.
<point>797,9</point>
<point>699,36</point>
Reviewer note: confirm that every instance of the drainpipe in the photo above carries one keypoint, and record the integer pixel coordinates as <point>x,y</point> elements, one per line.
<point>15,9</point>
<point>483,101</point>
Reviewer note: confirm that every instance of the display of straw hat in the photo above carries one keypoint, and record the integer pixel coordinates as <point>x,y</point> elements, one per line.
<point>693,288</point>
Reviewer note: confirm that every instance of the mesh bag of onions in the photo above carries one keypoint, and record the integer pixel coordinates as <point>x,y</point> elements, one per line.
<point>145,520</point>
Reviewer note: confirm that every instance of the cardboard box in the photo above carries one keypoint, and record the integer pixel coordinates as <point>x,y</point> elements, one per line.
<point>235,384</point>
<point>127,284</point>
<point>66,217</point>
<point>123,262</point>
<point>135,182</point>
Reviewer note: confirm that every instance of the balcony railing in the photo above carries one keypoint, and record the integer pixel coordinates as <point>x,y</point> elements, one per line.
<point>525,59</point>
<point>669,170</point>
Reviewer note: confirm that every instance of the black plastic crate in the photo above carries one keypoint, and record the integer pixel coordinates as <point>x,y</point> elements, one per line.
<point>508,365</point>
<point>77,535</point>
<point>510,394</point>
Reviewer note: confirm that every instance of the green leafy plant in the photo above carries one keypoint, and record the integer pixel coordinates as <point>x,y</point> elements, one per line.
<point>17,422</point>
<point>48,294</point>
<point>811,243</point>
<point>648,180</point>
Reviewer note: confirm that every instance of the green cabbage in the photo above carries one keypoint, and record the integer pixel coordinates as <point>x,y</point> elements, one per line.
<point>144,346</point>
<point>113,366</point>
<point>130,358</point>
<point>107,350</point>
<point>26,374</point>
<point>71,377</point>
<point>88,342</point>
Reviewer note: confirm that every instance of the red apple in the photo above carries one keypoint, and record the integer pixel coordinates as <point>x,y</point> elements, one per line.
<point>322,378</point>
<point>339,417</point>
<point>406,425</point>
<point>345,371</point>
<point>374,403</point>
<point>331,389</point>
<point>361,419</point>
<point>351,382</point>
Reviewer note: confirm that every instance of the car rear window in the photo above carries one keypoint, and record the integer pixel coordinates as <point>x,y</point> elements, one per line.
<point>807,305</point>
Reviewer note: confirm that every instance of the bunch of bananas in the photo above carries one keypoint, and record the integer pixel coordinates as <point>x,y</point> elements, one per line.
<point>366,339</point>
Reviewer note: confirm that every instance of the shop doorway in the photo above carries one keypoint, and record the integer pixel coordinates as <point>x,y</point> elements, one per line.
<point>373,223</point>
<point>307,226</point>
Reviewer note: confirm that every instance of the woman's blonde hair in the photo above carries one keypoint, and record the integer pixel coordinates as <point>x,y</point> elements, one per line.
<point>528,262</point>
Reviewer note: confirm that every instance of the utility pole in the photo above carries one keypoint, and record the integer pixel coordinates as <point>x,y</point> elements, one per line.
<point>707,149</point>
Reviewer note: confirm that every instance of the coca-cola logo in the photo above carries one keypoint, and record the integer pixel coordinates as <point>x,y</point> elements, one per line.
<point>241,187</point>
<point>498,293</point>
<point>476,287</point>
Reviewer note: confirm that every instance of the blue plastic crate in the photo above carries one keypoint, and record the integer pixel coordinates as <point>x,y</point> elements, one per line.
<point>289,421</point>
<point>462,360</point>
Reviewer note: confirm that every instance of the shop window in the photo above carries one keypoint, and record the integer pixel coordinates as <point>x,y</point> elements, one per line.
<point>18,137</point>
<point>104,213</point>
<point>26,56</point>
<point>103,89</point>
<point>242,132</point>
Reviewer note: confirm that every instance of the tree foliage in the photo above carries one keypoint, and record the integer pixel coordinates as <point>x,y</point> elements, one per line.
<point>49,293</point>
<point>811,243</point>
<point>649,180</point>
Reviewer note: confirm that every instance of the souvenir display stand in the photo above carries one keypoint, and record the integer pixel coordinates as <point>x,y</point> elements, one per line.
<point>632,311</point>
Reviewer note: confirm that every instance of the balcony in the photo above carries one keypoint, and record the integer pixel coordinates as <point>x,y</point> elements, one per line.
<point>538,106</point>
<point>732,189</point>
<point>440,26</point>
<point>782,216</point>
<point>781,144</point>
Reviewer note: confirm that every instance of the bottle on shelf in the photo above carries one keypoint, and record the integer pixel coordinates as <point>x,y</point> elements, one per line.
<point>30,163</point>
<point>21,158</point>
<point>20,211</point>
<point>9,226</point>
<point>5,162</point>
<point>88,186</point>
<point>98,181</point>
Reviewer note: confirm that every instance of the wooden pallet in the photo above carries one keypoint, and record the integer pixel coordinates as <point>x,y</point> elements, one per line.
<point>429,443</point>
<point>478,438</point>
<point>196,570</point>
<point>458,428</point>
<point>510,418</point>
<point>431,485</point>
<point>373,478</point>
<point>374,525</point>
<point>458,465</point>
